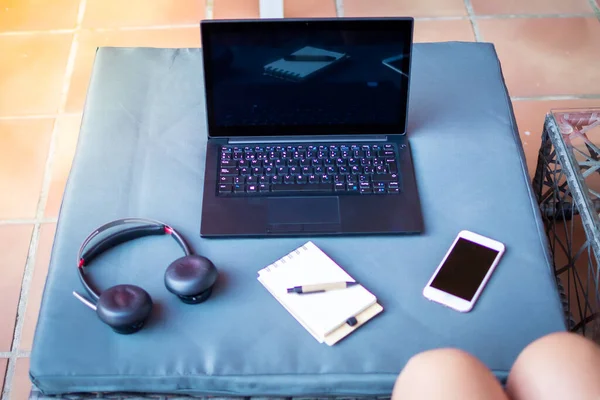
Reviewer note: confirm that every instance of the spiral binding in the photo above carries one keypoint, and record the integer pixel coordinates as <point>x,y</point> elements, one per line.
<point>282,74</point>
<point>289,256</point>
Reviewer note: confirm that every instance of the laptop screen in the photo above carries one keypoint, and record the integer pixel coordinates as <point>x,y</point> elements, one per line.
<point>307,77</point>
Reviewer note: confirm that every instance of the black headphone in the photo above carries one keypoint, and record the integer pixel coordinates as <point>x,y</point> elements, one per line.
<point>125,308</point>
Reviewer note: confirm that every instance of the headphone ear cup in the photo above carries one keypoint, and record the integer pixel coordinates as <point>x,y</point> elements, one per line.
<point>125,308</point>
<point>191,278</point>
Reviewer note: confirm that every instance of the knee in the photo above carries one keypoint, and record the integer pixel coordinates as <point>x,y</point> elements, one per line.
<point>558,348</point>
<point>441,359</point>
<point>446,373</point>
<point>557,363</point>
<point>441,365</point>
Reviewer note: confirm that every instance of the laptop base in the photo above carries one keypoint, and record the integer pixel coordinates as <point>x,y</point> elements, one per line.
<point>303,214</point>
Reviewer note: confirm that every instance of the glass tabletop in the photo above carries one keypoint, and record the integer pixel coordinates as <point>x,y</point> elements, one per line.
<point>580,131</point>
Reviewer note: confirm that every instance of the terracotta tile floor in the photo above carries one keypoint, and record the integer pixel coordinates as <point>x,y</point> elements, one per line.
<point>548,50</point>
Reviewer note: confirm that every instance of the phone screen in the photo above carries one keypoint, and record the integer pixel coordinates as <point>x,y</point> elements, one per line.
<point>464,269</point>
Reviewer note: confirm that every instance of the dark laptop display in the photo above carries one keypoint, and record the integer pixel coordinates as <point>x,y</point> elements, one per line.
<point>306,127</point>
<point>309,78</point>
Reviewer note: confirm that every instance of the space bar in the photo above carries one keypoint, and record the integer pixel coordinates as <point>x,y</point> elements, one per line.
<point>310,187</point>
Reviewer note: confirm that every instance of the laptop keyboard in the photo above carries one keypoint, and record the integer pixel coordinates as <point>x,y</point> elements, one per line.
<point>364,169</point>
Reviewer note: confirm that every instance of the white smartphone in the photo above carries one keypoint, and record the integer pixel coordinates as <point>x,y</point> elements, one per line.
<point>464,271</point>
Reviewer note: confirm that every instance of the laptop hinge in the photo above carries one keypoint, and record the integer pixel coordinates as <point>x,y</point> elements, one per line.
<point>307,139</point>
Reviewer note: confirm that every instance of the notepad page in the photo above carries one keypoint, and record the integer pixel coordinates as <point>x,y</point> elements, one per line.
<point>301,69</point>
<point>318,337</point>
<point>319,313</point>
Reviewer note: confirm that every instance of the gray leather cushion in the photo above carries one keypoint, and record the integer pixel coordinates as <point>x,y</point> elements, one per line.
<point>141,153</point>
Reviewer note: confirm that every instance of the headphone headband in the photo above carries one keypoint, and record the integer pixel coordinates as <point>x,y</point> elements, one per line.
<point>151,227</point>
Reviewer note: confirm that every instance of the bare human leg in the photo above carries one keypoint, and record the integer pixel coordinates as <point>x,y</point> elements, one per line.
<point>447,374</point>
<point>557,366</point>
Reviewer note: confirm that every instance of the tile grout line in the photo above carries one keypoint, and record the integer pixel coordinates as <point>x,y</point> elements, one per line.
<point>339,8</point>
<point>41,208</point>
<point>444,18</point>
<point>556,97</point>
<point>148,28</point>
<point>21,308</point>
<point>37,32</point>
<point>48,220</point>
<point>39,116</point>
<point>119,28</point>
<point>474,25</point>
<point>209,9</point>
<point>20,354</point>
<point>533,16</point>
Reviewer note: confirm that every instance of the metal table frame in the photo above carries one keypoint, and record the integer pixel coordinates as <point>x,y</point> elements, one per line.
<point>567,204</point>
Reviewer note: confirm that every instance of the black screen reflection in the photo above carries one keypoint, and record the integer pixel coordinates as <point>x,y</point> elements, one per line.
<point>308,77</point>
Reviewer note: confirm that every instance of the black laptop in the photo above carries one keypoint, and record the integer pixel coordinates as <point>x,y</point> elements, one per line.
<point>307,128</point>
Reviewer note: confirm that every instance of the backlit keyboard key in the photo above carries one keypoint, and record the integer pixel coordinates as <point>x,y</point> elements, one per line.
<point>225,188</point>
<point>320,187</point>
<point>385,178</point>
<point>229,172</point>
<point>301,179</point>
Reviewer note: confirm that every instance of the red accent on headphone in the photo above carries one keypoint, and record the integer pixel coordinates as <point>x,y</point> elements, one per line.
<point>168,230</point>
<point>80,263</point>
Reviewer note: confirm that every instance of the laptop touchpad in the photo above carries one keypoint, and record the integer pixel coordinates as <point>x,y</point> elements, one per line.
<point>303,210</point>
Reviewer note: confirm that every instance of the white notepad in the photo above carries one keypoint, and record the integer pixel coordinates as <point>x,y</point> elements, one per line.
<point>325,314</point>
<point>300,70</point>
